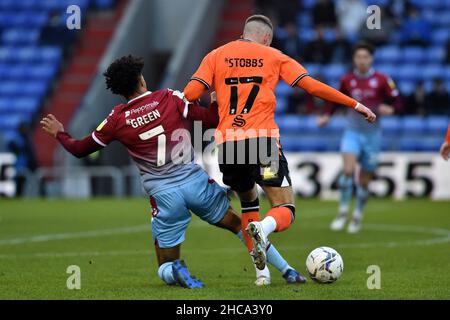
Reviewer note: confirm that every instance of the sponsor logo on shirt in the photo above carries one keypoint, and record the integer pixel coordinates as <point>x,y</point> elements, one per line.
<point>141,109</point>
<point>239,121</point>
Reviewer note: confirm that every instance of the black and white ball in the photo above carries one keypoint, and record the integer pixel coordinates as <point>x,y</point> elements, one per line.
<point>324,265</point>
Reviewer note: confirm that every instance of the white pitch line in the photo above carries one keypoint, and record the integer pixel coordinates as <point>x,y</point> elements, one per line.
<point>75,235</point>
<point>443,236</point>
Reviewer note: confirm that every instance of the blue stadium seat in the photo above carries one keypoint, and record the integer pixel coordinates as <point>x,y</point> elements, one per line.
<point>17,71</point>
<point>329,34</point>
<point>24,54</point>
<point>406,87</point>
<point>388,54</point>
<point>29,105</point>
<point>408,72</point>
<point>432,144</point>
<point>291,124</point>
<point>104,4</point>
<point>44,71</point>
<point>313,68</point>
<point>413,125</point>
<point>283,89</point>
<point>387,68</point>
<point>432,71</point>
<point>304,20</point>
<point>336,125</point>
<point>5,105</point>
<point>282,105</point>
<point>303,143</point>
<point>333,71</point>
<point>307,35</point>
<point>447,73</point>
<point>34,89</point>
<point>3,70</point>
<point>409,144</point>
<point>12,19</point>
<point>289,143</point>
<point>308,4</point>
<point>437,125</point>
<point>443,19</point>
<point>380,3</point>
<point>50,54</point>
<point>388,144</point>
<point>413,54</point>
<point>311,125</point>
<point>390,125</point>
<point>435,54</point>
<point>440,36</point>
<point>20,36</point>
<point>434,4</point>
<point>10,122</point>
<point>9,88</point>
<point>20,88</point>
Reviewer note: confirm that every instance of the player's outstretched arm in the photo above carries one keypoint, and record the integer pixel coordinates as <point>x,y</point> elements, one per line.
<point>79,148</point>
<point>323,91</point>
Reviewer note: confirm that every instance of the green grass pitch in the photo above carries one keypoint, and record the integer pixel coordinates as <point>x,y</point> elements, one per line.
<point>110,240</point>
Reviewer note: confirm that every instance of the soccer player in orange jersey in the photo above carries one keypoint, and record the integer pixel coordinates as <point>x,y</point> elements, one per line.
<point>244,74</point>
<point>445,148</point>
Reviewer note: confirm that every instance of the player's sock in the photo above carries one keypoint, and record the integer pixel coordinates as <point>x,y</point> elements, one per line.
<point>346,188</point>
<point>273,257</point>
<point>278,219</point>
<point>166,274</point>
<point>250,212</point>
<point>361,199</point>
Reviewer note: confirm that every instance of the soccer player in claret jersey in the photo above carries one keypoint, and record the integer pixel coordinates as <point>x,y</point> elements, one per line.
<point>150,125</point>
<point>244,74</point>
<point>361,142</point>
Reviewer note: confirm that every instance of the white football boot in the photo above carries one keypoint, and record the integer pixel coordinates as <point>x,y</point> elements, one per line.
<point>354,226</point>
<point>262,281</point>
<point>260,242</point>
<point>338,224</point>
<point>262,277</point>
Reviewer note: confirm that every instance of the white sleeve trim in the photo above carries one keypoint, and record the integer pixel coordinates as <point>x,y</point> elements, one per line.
<point>97,140</point>
<point>186,110</point>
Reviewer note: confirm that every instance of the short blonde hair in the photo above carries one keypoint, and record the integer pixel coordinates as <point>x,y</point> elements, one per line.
<point>260,18</point>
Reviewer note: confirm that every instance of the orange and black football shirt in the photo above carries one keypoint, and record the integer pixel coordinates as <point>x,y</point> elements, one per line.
<point>244,75</point>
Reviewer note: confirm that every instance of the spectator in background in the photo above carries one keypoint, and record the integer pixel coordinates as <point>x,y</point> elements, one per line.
<point>324,14</point>
<point>415,102</point>
<point>379,36</point>
<point>447,53</point>
<point>23,149</point>
<point>55,32</point>
<point>438,100</point>
<point>284,11</point>
<point>351,15</point>
<point>415,30</point>
<point>319,50</point>
<point>342,49</point>
<point>290,44</point>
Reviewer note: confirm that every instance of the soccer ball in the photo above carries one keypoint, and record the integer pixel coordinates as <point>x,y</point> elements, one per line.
<point>324,265</point>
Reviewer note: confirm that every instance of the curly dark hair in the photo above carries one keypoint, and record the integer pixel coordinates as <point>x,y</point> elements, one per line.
<point>364,45</point>
<point>122,76</point>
